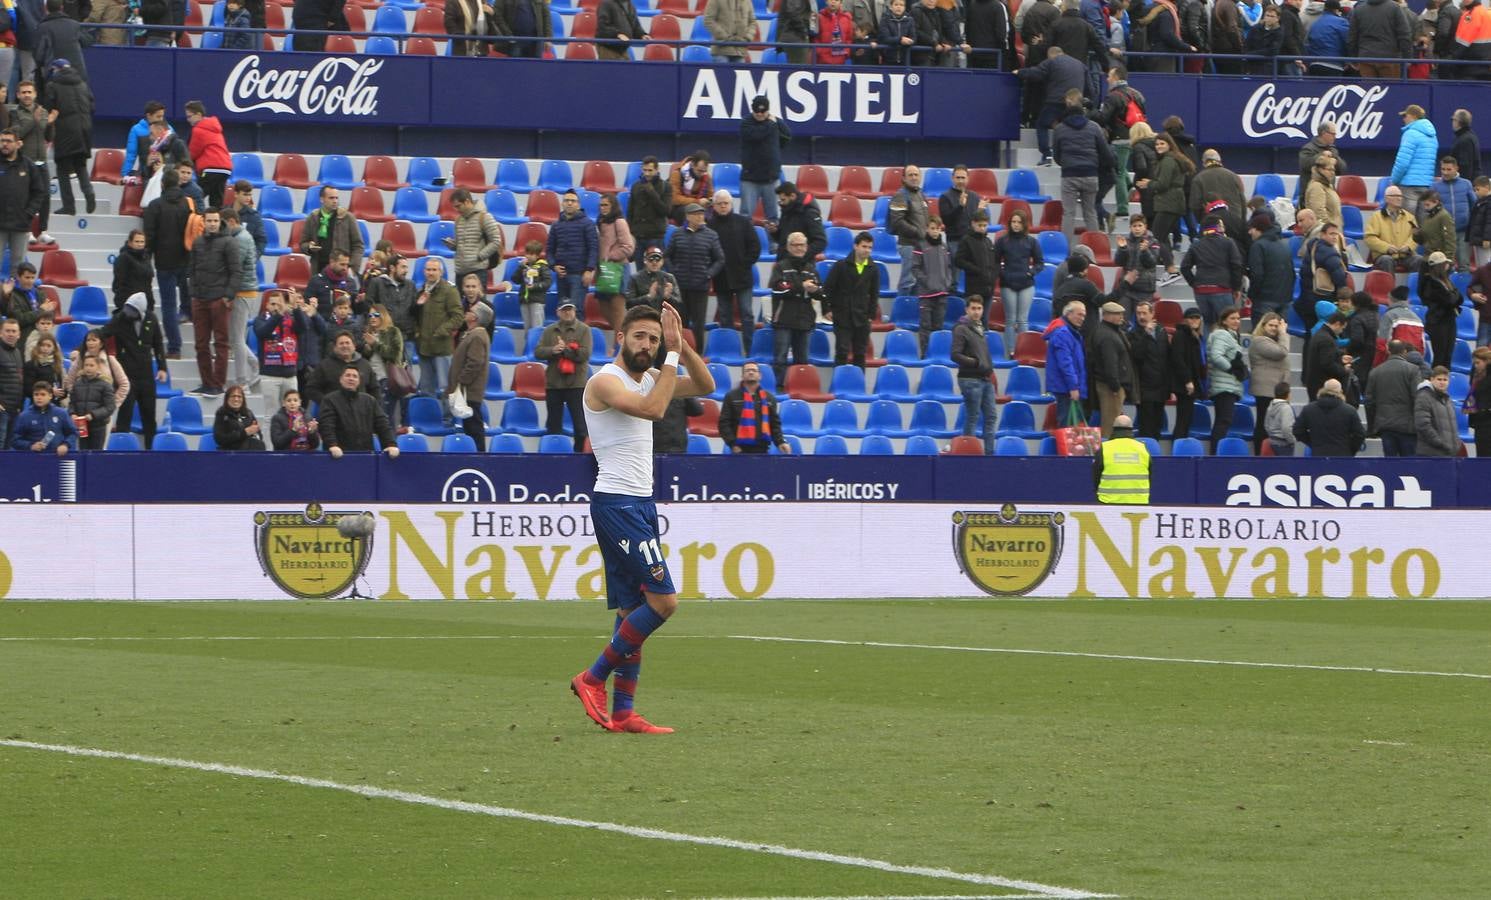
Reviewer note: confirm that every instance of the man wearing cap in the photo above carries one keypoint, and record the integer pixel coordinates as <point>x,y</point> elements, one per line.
<point>695,257</point>
<point>1217,191</point>
<point>1324,141</point>
<point>1110,364</point>
<point>762,137</point>
<point>799,212</point>
<point>1120,470</point>
<point>1389,234</point>
<point>1328,426</point>
<point>1187,370</point>
<point>469,370</point>
<point>652,285</point>
<point>742,248</point>
<point>566,347</point>
<point>1418,151</point>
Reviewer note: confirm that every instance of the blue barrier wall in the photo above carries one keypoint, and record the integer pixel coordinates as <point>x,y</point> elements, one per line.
<point>460,478</point>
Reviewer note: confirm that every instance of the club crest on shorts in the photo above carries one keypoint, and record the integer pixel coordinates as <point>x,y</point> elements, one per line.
<point>307,555</point>
<point>657,572</point>
<point>1007,553</point>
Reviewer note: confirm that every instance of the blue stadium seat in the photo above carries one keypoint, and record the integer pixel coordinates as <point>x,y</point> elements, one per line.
<point>1242,423</point>
<point>1461,357</point>
<point>1008,445</point>
<point>276,202</point>
<point>921,445</point>
<point>555,175</point>
<point>763,347</point>
<point>503,205</point>
<point>503,349</point>
<point>901,347</point>
<point>848,383</point>
<point>165,390</point>
<point>1464,326</point>
<point>955,311</point>
<point>696,54</point>
<point>1048,446</point>
<point>1024,383</point>
<point>272,244</point>
<point>699,445</point>
<point>1459,387</point>
<point>1040,314</point>
<point>435,235</point>
<point>185,415</point>
<point>512,175</point>
<point>1044,283</point>
<point>831,445</point>
<point>1018,419</point>
<point>89,304</point>
<point>722,345</point>
<point>599,354</point>
<point>212,40</point>
<point>722,381</point>
<point>410,205</point>
<point>249,167</point>
<point>820,351</point>
<point>1151,444</point>
<point>1053,245</point>
<point>1187,446</point>
<point>893,382</point>
<point>884,418</point>
<point>797,418</point>
<point>336,171</point>
<point>841,417</point>
<point>505,443</point>
<point>940,382</point>
<point>390,20</point>
<point>413,443</point>
<point>381,45</point>
<point>1351,218</point>
<point>168,441</point>
<point>997,351</point>
<point>207,443</point>
<point>520,416</point>
<point>940,349</point>
<point>1233,446</point>
<point>1269,186</point>
<point>123,440</point>
<point>840,243</point>
<point>877,445</point>
<point>884,249</point>
<point>458,443</point>
<point>905,312</point>
<point>1024,185</point>
<point>929,417</point>
<point>886,288</point>
<point>70,336</point>
<point>1201,422</point>
<point>426,417</point>
<point>312,201</point>
<point>726,175</point>
<point>423,170</point>
<point>530,344</point>
<point>935,181</point>
<point>879,215</point>
<point>509,310</point>
<point>772,56</point>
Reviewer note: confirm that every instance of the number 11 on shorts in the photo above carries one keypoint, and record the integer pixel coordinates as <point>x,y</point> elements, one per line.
<point>651,552</point>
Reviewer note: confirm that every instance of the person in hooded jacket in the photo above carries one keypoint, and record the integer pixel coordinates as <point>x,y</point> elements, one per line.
<point>1078,145</point>
<point>133,272</point>
<point>1361,335</point>
<point>137,345</point>
<point>70,111</point>
<point>1434,418</point>
<point>1379,28</point>
<point>1270,268</point>
<point>165,229</point>
<point>1414,167</point>
<point>1328,426</point>
<point>209,150</point>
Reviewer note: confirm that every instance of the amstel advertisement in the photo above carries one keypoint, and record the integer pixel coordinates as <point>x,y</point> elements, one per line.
<point>741,551</point>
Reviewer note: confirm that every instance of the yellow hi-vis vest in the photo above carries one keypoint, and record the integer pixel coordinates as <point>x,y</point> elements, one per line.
<point>1125,477</point>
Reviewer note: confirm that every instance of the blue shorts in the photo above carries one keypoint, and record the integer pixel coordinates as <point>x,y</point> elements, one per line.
<point>626,529</point>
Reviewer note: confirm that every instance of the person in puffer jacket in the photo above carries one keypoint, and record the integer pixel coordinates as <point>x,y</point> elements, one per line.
<point>695,256</point>
<point>1418,153</point>
<point>209,150</point>
<point>1078,145</point>
<point>1434,416</point>
<point>573,250</point>
<point>1066,361</point>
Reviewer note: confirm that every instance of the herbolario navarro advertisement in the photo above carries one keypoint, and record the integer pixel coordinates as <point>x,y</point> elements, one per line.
<point>745,551</point>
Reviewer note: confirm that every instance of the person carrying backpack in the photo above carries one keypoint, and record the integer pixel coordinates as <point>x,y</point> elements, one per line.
<point>1123,107</point>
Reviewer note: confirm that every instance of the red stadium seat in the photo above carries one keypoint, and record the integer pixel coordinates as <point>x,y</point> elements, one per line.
<point>59,269</point>
<point>595,317</point>
<point>1102,249</point>
<point>293,242</point>
<point>1380,285</point>
<point>1168,312</point>
<point>401,235</point>
<point>1353,191</point>
<point>357,21</point>
<point>803,383</point>
<point>1009,208</point>
<point>985,183</point>
<point>1030,349</point>
<point>707,422</point>
<point>106,166</point>
<point>599,177</point>
<point>274,19</point>
<point>658,53</point>
<point>531,231</point>
<point>291,171</point>
<point>845,212</point>
<point>471,174</point>
<point>429,20</point>
<point>995,310</point>
<point>382,172</point>
<point>528,380</point>
<point>342,44</point>
<point>420,45</point>
<point>966,445</point>
<point>1050,217</point>
<point>367,205</point>
<point>811,179</point>
<point>543,206</point>
<point>582,27</point>
<point>890,180</point>
<point>679,8</point>
<point>293,270</point>
<point>447,208</point>
<point>266,43</point>
<point>1095,275</point>
<point>855,181</point>
<point>129,202</point>
<point>584,52</point>
<point>665,28</point>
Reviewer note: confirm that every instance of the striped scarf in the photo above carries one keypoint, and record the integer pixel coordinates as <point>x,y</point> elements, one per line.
<point>755,424</point>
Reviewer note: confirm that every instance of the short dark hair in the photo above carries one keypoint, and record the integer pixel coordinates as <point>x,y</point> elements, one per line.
<point>1481,181</point>
<point>1438,371</point>
<point>972,299</point>
<point>700,156</point>
<point>1449,159</point>
<point>864,236</point>
<point>340,254</point>
<point>461,195</point>
<point>153,106</point>
<point>566,194</point>
<point>1396,347</point>
<point>1121,72</point>
<point>243,186</point>
<point>54,6</point>
<point>1431,195</point>
<point>1282,390</point>
<point>640,313</point>
<point>979,215</point>
<point>786,187</point>
<point>45,385</point>
<point>25,267</point>
<point>1138,219</point>
<point>937,220</point>
<point>533,247</point>
<point>1076,264</point>
<point>195,107</point>
<point>1336,318</point>
<point>960,167</point>
<point>649,160</point>
<point>324,188</point>
<point>228,213</point>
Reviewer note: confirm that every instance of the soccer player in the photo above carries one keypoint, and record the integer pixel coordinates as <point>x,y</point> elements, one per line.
<point>622,401</point>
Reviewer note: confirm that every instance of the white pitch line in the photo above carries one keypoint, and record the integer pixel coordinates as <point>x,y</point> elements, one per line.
<point>502,812</point>
<point>1074,653</point>
<point>307,637</point>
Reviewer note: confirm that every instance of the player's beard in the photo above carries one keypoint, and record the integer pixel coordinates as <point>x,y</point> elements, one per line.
<point>638,362</point>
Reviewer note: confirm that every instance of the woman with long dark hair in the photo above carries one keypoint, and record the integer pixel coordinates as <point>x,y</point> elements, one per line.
<point>1172,170</point>
<point>1443,301</point>
<point>1017,259</point>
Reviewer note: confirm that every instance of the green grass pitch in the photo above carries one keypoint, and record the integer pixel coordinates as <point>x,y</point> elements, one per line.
<point>1356,767</point>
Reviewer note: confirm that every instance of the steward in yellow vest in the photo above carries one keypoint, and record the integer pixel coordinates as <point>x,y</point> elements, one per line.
<point>1121,467</point>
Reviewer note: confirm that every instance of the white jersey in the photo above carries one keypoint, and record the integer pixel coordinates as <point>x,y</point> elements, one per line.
<point>622,442</point>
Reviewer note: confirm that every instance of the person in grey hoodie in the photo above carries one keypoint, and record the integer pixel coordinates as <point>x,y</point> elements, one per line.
<point>932,268</point>
<point>1078,145</point>
<point>1278,422</point>
<point>1434,416</point>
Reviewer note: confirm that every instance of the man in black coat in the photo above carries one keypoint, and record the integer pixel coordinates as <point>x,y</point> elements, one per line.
<point>742,248</point>
<point>800,212</point>
<point>1467,147</point>
<point>216,265</point>
<point>956,208</point>
<point>762,137</point>
<point>1324,360</point>
<point>317,15</point>
<point>647,207</point>
<point>1149,345</point>
<point>57,38</point>
<point>1328,426</point>
<point>137,343</point>
<point>165,231</point>
<point>1110,365</point>
<point>975,257</point>
<point>350,418</point>
<point>988,31</point>
<point>852,301</point>
<point>23,194</point>
<point>1187,371</point>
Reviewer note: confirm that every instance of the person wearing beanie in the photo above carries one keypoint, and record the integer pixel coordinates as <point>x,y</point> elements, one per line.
<point>1213,267</point>
<point>469,370</point>
<point>1323,359</point>
<point>1120,470</point>
<point>1361,335</point>
<point>1328,426</point>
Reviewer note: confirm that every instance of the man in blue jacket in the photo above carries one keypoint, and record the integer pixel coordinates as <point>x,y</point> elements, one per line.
<point>1458,198</point>
<point>1328,36</point>
<point>1066,362</point>
<point>1413,168</point>
<point>573,251</point>
<point>44,427</point>
<point>155,111</point>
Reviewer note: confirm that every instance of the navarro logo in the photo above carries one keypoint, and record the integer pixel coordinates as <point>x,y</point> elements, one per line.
<point>1007,553</point>
<point>1364,491</point>
<point>1301,117</point>
<point>335,86</point>
<point>306,556</point>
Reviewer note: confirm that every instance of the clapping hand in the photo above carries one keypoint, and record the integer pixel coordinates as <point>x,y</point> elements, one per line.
<point>672,328</point>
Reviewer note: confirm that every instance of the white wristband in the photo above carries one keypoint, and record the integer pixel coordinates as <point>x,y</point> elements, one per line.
<point>671,360</point>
